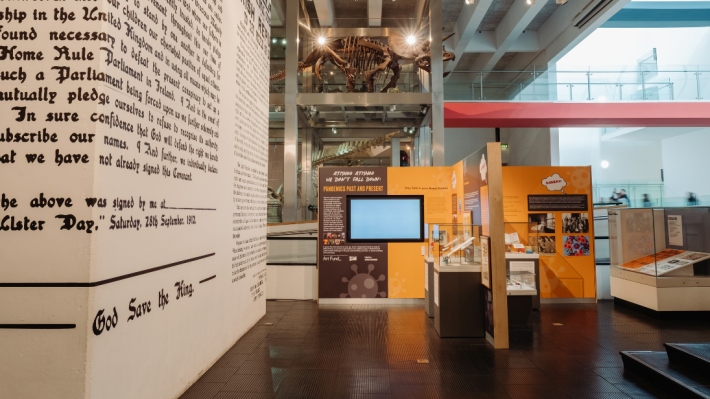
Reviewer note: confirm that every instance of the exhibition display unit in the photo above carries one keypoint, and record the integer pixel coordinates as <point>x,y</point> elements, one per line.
<point>548,215</point>
<point>377,224</point>
<point>458,301</point>
<point>660,258</point>
<point>457,245</point>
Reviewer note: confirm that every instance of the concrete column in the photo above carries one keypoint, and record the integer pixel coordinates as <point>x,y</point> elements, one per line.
<point>415,151</point>
<point>289,212</point>
<point>554,146</point>
<point>425,146</point>
<point>306,186</point>
<point>307,75</point>
<point>395,152</point>
<point>437,84</point>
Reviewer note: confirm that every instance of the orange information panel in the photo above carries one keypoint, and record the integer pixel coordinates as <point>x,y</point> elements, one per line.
<point>550,207</point>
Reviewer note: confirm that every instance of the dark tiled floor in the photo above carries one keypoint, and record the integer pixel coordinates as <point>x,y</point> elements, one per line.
<point>370,352</point>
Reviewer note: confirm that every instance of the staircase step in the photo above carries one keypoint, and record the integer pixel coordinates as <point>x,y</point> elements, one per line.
<point>677,380</point>
<point>692,356</point>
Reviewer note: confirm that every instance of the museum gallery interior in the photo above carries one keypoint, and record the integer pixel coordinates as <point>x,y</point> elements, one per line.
<point>372,199</point>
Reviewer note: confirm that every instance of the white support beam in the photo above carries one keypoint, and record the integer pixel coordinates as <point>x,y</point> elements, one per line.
<point>558,35</point>
<point>485,42</point>
<point>465,29</point>
<point>374,12</point>
<point>509,30</point>
<point>279,7</point>
<point>325,12</point>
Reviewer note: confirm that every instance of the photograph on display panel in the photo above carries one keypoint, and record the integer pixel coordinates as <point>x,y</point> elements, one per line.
<point>575,223</point>
<point>546,244</point>
<point>575,245</point>
<point>544,222</point>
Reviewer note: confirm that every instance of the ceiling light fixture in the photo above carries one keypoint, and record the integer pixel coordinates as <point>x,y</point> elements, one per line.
<point>605,164</point>
<point>469,1</point>
<point>335,131</point>
<point>283,41</point>
<point>411,40</point>
<point>561,2</point>
<point>530,2</point>
<point>321,40</point>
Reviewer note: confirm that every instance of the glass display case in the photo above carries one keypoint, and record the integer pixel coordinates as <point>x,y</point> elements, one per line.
<point>525,238</point>
<point>521,281</point>
<point>456,244</point>
<point>667,242</point>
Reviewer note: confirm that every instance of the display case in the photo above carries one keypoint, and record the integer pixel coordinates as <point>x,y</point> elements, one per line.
<point>668,242</point>
<point>525,238</point>
<point>521,282</point>
<point>457,290</point>
<point>456,244</point>
<point>660,258</point>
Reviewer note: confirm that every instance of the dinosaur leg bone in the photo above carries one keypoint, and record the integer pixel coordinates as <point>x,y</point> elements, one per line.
<point>345,67</point>
<point>370,75</point>
<point>396,68</point>
<point>319,65</point>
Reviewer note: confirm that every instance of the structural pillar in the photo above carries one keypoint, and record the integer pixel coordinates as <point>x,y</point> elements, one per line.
<point>289,212</point>
<point>395,152</point>
<point>306,185</point>
<point>437,84</point>
<point>415,151</point>
<point>425,146</point>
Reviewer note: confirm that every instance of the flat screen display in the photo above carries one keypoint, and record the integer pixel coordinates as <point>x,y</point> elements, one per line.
<point>385,218</point>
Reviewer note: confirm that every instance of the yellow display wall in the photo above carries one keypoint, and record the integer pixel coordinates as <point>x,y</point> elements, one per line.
<point>405,263</point>
<point>560,276</point>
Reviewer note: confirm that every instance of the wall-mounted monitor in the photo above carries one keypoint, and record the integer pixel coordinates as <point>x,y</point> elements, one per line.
<point>385,218</point>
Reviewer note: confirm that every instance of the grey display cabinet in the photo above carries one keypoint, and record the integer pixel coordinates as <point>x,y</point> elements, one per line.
<point>523,282</point>
<point>429,286</point>
<point>458,301</point>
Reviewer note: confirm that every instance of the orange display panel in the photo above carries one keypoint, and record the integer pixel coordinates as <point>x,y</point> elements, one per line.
<point>537,194</point>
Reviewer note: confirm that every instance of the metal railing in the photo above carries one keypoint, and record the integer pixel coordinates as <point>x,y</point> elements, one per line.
<point>335,83</point>
<point>666,84</point>
<point>672,83</point>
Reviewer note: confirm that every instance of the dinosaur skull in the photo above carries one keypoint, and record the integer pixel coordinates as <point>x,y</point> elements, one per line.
<point>420,51</point>
<point>449,56</point>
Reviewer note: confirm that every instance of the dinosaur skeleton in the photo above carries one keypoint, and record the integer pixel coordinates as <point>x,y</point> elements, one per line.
<point>365,57</point>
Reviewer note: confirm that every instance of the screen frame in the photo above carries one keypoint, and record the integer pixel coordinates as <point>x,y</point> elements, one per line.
<point>384,197</point>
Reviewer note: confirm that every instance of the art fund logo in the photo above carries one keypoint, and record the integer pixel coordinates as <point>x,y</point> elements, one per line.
<point>554,183</point>
<point>331,258</point>
<point>483,168</point>
<point>353,258</point>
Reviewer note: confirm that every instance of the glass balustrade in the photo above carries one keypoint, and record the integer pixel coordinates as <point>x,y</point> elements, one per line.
<point>673,83</point>
<point>644,195</point>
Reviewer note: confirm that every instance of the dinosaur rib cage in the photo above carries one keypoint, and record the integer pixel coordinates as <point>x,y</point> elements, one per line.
<point>359,53</point>
<point>359,56</point>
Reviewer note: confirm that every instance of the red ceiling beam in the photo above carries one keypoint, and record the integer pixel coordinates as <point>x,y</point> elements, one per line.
<point>549,114</point>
